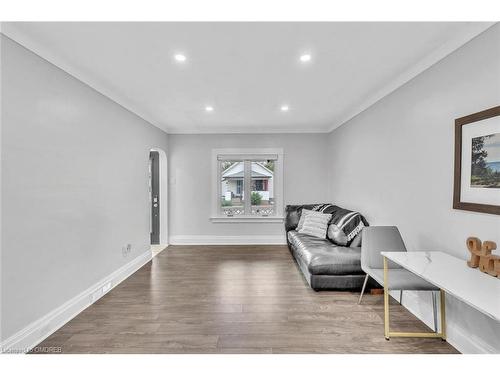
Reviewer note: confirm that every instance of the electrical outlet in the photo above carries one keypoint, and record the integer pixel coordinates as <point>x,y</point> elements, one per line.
<point>106,287</point>
<point>126,250</point>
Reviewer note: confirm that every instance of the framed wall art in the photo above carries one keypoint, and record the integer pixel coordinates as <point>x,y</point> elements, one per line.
<point>477,162</point>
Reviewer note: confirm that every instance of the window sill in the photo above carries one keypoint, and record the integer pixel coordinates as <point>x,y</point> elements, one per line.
<point>246,219</point>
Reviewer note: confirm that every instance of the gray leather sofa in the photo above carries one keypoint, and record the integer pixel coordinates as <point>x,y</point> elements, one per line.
<point>323,264</point>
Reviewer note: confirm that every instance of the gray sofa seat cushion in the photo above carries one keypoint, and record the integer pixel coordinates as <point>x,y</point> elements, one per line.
<point>323,257</point>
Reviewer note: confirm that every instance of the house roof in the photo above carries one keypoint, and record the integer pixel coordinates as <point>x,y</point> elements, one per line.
<point>240,175</point>
<point>237,171</point>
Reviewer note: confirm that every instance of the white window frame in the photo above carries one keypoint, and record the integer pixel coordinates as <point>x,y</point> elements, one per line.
<point>249,154</point>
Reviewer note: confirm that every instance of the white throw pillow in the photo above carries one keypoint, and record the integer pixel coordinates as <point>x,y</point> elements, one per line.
<point>316,224</point>
<point>303,215</point>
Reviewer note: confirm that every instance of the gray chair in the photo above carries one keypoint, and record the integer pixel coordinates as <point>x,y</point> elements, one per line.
<point>378,239</point>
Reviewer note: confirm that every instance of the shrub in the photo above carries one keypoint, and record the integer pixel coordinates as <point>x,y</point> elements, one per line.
<point>255,198</point>
<point>226,203</point>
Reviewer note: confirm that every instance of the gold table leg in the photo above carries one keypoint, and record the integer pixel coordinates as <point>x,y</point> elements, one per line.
<point>387,332</point>
<point>386,301</point>
<point>442,299</point>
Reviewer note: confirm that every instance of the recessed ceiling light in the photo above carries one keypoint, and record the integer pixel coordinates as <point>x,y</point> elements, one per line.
<point>284,108</point>
<point>180,57</point>
<point>209,108</point>
<point>305,57</point>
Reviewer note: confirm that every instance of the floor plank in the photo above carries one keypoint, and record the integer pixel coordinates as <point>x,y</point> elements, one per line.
<point>233,299</point>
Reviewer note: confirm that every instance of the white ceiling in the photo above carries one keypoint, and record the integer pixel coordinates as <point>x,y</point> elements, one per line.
<point>246,71</point>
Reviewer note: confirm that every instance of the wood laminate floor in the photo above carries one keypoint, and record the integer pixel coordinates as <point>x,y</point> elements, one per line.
<point>234,299</point>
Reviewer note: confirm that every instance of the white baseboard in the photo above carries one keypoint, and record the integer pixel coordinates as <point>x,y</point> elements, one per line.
<point>28,337</point>
<point>227,240</point>
<point>461,340</point>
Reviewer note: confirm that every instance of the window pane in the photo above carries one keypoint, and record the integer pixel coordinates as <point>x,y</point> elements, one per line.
<point>232,188</point>
<point>262,192</point>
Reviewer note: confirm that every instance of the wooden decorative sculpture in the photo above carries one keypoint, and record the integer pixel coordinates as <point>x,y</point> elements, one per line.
<point>496,268</point>
<point>481,256</point>
<point>474,246</point>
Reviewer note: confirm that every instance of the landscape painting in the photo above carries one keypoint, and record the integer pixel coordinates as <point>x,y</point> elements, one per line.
<point>485,162</point>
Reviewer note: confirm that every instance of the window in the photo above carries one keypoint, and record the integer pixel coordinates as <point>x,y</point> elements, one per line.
<point>247,185</point>
<point>239,187</point>
<point>258,185</point>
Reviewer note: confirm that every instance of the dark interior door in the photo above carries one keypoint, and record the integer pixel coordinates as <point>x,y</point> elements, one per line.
<point>154,161</point>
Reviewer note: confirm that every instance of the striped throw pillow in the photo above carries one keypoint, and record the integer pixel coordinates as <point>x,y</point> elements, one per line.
<point>303,215</point>
<point>316,224</point>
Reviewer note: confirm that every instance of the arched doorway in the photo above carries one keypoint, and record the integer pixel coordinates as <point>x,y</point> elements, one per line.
<point>158,199</point>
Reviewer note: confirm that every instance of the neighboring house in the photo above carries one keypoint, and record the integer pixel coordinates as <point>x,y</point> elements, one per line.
<point>262,182</point>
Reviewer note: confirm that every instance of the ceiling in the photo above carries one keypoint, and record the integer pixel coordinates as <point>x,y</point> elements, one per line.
<point>245,71</point>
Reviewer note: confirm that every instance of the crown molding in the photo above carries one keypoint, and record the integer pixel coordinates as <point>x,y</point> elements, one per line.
<point>416,69</point>
<point>255,130</point>
<point>9,30</point>
<point>38,49</point>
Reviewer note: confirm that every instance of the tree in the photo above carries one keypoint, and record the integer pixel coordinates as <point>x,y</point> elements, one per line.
<point>479,155</point>
<point>255,198</point>
<point>226,164</point>
<point>481,174</point>
<point>269,164</point>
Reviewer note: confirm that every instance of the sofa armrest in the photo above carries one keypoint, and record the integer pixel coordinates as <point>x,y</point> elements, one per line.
<point>292,216</point>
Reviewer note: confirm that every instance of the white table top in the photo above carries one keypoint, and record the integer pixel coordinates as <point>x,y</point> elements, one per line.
<point>452,274</point>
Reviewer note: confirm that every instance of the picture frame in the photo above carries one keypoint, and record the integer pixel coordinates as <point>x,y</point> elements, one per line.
<point>477,162</point>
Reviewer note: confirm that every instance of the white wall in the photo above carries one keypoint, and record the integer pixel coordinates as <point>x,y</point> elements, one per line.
<point>74,186</point>
<point>394,163</point>
<point>190,167</point>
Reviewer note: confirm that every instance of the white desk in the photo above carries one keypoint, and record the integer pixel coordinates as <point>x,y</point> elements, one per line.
<point>451,274</point>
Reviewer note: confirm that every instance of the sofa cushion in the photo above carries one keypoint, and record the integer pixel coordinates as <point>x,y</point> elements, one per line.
<point>315,224</point>
<point>303,215</point>
<point>324,258</point>
<point>293,213</point>
<point>349,222</point>
<point>337,235</point>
